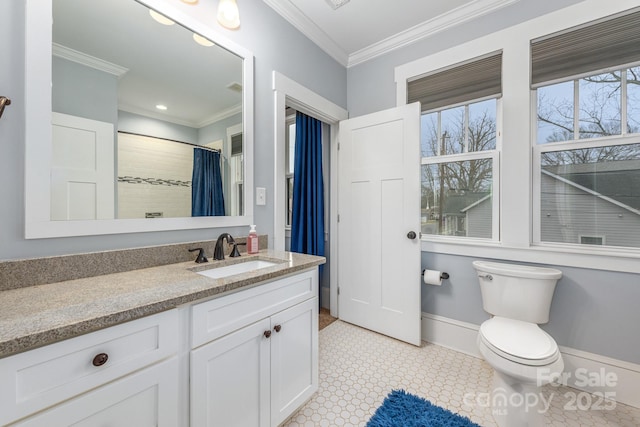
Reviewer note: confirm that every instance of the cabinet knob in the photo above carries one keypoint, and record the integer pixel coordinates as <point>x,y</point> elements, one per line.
<point>277,328</point>
<point>267,334</point>
<point>100,359</point>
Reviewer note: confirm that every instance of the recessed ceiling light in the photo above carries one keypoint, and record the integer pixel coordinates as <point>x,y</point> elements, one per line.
<point>337,3</point>
<point>161,107</point>
<point>202,40</point>
<point>190,1</point>
<point>160,18</point>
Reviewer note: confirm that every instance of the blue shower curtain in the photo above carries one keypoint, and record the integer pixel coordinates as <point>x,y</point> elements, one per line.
<point>307,225</point>
<point>207,198</point>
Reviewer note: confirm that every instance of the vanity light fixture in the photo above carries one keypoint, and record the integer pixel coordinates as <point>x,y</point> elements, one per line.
<point>161,107</point>
<point>202,40</point>
<point>160,18</point>
<point>228,14</point>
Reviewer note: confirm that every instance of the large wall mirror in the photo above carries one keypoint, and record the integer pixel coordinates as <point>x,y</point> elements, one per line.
<point>139,118</point>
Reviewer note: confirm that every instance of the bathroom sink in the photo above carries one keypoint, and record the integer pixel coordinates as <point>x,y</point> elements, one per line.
<point>233,269</point>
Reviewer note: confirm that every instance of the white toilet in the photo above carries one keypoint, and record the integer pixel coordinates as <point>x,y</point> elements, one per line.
<point>523,356</point>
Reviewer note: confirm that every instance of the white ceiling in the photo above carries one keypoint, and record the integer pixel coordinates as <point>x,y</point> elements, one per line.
<point>155,64</point>
<point>363,29</point>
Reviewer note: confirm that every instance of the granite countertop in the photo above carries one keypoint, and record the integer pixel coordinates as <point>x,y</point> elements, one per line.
<point>34,316</point>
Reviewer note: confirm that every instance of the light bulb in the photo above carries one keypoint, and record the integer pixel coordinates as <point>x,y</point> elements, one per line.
<point>228,14</point>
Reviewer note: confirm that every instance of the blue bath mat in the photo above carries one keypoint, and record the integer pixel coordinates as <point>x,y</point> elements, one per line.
<point>401,409</point>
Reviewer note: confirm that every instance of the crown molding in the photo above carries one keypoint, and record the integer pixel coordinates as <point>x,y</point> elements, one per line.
<point>88,60</point>
<point>229,112</point>
<point>457,16</point>
<point>307,27</point>
<point>224,114</point>
<point>428,28</point>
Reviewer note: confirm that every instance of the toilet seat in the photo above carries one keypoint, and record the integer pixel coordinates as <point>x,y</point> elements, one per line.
<point>521,342</point>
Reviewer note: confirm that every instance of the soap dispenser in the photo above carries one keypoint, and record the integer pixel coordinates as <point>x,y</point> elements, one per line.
<point>252,241</point>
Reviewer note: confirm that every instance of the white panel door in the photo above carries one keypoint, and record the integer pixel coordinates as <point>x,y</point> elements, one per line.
<point>294,358</point>
<point>379,207</point>
<point>230,379</point>
<point>82,169</point>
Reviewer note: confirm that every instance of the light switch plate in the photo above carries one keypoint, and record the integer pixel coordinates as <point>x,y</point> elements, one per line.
<point>261,196</point>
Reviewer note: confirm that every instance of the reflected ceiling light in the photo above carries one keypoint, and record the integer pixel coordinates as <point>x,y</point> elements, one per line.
<point>161,107</point>
<point>202,40</point>
<point>160,18</point>
<point>228,14</point>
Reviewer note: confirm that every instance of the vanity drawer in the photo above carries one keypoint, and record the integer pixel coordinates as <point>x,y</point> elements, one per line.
<point>37,379</point>
<point>215,318</point>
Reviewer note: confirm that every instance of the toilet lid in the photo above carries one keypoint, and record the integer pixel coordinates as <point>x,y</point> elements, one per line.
<point>519,341</point>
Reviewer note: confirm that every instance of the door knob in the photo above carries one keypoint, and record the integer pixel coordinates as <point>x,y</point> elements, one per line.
<point>267,334</point>
<point>411,235</point>
<point>277,328</point>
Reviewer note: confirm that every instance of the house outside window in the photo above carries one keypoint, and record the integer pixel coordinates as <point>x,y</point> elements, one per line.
<point>459,157</point>
<point>460,148</point>
<point>586,150</point>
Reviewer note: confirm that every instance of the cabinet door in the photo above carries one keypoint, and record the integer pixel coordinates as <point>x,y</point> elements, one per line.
<point>294,358</point>
<point>147,398</point>
<point>230,379</point>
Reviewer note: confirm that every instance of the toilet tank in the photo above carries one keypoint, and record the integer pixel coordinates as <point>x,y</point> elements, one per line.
<point>520,292</point>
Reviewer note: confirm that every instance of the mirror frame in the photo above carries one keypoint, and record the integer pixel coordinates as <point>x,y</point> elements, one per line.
<point>38,133</point>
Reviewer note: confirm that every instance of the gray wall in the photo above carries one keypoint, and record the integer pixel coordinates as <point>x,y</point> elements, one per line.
<point>84,92</point>
<point>276,45</point>
<point>218,130</point>
<point>142,125</point>
<point>592,310</point>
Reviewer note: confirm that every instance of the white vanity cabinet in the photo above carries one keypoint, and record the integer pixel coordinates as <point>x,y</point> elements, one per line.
<point>248,358</point>
<point>255,356</point>
<point>125,372</point>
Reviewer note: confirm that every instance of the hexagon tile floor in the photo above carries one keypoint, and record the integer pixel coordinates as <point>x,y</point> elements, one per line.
<point>358,368</point>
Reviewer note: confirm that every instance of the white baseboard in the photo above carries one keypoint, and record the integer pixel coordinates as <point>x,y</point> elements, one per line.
<point>450,333</point>
<point>584,371</point>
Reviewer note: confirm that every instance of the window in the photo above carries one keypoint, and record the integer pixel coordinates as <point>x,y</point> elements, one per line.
<point>587,145</point>
<point>458,163</point>
<point>236,171</point>
<point>290,148</point>
<point>459,147</point>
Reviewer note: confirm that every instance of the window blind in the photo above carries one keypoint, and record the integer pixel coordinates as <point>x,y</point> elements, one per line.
<point>602,44</point>
<point>478,78</point>
<point>236,144</point>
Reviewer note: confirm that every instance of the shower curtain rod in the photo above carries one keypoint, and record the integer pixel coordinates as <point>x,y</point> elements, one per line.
<point>174,140</point>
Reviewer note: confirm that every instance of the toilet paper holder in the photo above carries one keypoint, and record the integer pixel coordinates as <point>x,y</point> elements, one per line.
<point>443,276</point>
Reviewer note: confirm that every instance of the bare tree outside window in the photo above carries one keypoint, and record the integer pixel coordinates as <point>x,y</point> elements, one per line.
<point>457,194</point>
<point>591,191</point>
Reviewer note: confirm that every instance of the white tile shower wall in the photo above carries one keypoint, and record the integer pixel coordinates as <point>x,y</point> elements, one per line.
<point>154,176</point>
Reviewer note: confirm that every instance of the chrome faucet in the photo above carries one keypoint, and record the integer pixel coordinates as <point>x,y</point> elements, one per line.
<point>218,252</point>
